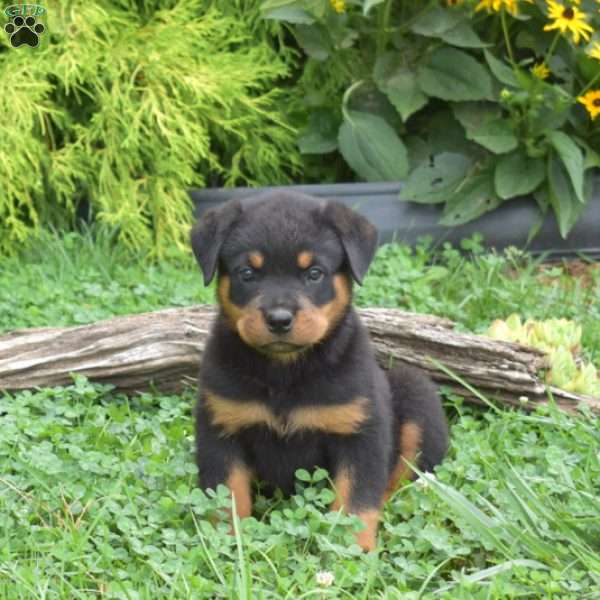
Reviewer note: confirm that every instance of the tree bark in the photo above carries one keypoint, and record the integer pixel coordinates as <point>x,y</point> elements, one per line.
<point>163,350</point>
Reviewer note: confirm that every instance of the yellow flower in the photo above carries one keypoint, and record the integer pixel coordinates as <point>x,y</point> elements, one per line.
<point>568,18</point>
<point>591,101</point>
<point>595,51</point>
<point>541,71</point>
<point>338,5</point>
<point>511,6</point>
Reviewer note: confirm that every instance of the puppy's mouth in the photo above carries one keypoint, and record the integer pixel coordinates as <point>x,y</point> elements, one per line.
<point>281,347</point>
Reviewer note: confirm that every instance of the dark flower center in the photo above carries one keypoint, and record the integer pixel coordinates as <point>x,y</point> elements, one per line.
<point>596,102</point>
<point>568,13</point>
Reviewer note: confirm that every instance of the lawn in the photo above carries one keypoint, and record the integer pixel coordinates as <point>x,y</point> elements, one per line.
<point>97,490</point>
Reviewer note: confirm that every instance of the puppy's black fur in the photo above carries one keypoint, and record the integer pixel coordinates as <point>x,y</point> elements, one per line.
<point>289,378</point>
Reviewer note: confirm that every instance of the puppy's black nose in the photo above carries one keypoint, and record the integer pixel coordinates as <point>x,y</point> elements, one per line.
<point>279,320</point>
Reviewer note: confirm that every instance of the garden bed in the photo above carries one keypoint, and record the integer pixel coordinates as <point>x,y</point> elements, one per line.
<point>509,225</point>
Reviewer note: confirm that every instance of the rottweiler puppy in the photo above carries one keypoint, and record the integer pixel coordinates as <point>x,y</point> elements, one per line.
<point>289,378</point>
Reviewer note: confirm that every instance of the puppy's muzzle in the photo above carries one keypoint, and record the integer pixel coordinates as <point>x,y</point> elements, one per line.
<point>279,320</point>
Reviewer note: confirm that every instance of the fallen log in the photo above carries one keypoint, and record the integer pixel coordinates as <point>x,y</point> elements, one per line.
<point>163,350</point>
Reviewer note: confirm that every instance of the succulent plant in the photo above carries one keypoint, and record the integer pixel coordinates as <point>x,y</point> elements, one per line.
<point>560,339</point>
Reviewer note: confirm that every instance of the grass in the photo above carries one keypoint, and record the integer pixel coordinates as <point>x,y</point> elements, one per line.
<point>97,490</point>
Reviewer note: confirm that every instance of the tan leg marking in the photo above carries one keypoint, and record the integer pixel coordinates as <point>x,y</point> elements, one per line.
<point>410,444</point>
<point>342,486</point>
<point>238,482</point>
<point>367,538</point>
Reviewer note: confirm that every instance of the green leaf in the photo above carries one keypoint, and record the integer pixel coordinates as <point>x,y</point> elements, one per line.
<point>435,179</point>
<point>463,36</point>
<point>399,83</point>
<point>436,22</point>
<point>587,66</point>
<point>372,148</point>
<point>497,136</point>
<point>562,196</point>
<point>418,149</point>
<point>314,40</point>
<point>473,115</point>
<point>531,41</point>
<point>289,15</point>
<point>319,475</point>
<point>445,134</point>
<point>572,158</point>
<point>450,26</point>
<point>592,157</point>
<point>472,199</point>
<point>553,115</point>
<point>303,475</point>
<point>320,135</point>
<point>290,11</point>
<point>589,181</point>
<point>542,200</point>
<point>501,70</point>
<point>517,174</point>
<point>451,74</point>
<point>317,8</point>
<point>368,98</point>
<point>369,4</point>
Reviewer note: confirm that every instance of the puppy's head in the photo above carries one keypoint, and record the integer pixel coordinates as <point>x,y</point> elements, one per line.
<point>285,265</point>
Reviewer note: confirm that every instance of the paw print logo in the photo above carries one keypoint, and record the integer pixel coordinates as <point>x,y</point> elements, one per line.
<point>24,31</point>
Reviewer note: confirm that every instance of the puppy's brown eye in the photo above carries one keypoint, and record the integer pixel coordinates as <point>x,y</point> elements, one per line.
<point>314,274</point>
<point>246,274</point>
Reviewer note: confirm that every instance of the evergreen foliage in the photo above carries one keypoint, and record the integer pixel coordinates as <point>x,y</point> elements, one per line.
<point>126,104</point>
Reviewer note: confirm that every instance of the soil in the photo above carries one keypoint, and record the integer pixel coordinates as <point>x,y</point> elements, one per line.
<point>588,273</point>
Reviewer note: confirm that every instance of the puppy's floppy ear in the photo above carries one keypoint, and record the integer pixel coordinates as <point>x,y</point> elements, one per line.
<point>357,234</point>
<point>209,233</point>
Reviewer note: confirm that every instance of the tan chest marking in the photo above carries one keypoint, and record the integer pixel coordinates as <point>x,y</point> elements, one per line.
<point>343,419</point>
<point>232,416</point>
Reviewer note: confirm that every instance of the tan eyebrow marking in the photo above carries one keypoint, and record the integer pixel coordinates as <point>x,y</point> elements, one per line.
<point>305,258</point>
<point>256,259</point>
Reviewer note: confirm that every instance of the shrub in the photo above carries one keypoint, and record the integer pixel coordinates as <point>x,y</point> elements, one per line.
<point>124,105</point>
<point>473,104</point>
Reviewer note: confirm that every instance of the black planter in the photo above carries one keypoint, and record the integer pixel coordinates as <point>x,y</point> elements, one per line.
<point>508,225</point>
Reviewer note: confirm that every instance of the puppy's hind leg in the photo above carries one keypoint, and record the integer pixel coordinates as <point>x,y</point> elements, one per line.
<point>420,428</point>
